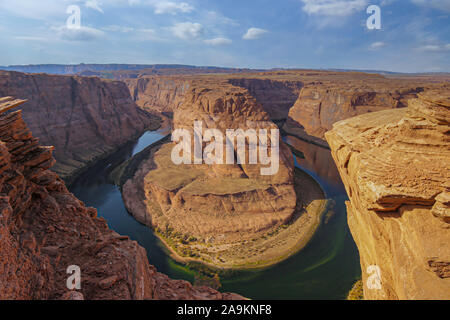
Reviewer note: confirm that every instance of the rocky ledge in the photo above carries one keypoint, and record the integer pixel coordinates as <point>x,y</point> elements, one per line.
<point>44,229</point>
<point>395,167</point>
<point>326,101</point>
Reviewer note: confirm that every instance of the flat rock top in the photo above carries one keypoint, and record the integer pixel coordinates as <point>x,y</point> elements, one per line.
<point>399,156</point>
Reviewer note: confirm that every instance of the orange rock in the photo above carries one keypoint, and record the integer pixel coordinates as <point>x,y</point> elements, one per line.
<point>395,167</point>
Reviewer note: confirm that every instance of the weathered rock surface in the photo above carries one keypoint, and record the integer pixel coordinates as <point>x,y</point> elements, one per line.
<point>275,95</point>
<point>160,94</point>
<point>322,103</point>
<point>395,167</point>
<point>84,118</point>
<point>166,93</point>
<point>44,229</point>
<point>218,203</point>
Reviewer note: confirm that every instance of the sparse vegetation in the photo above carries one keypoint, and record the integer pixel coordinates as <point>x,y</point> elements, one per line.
<point>357,292</point>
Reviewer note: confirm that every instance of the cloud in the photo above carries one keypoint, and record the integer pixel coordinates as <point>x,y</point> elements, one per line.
<point>435,47</point>
<point>168,7</point>
<point>339,8</point>
<point>94,4</point>
<point>80,34</point>
<point>254,33</point>
<point>377,45</point>
<point>443,5</point>
<point>187,30</point>
<point>218,41</point>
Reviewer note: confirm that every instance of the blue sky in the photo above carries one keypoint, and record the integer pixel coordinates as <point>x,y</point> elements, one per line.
<point>415,34</point>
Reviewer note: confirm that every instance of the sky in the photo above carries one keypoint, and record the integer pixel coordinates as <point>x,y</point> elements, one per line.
<point>317,34</point>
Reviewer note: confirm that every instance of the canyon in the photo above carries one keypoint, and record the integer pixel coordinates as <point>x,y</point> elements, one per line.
<point>395,167</point>
<point>44,229</point>
<point>84,118</point>
<point>308,102</point>
<point>218,214</point>
<point>388,136</point>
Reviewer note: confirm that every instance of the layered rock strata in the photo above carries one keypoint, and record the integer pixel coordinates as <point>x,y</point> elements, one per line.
<point>395,167</point>
<point>210,212</point>
<point>321,104</point>
<point>44,229</point>
<point>84,118</point>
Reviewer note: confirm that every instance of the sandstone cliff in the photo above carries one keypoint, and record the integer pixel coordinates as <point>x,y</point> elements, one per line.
<point>276,96</point>
<point>217,213</point>
<point>395,167</point>
<point>321,104</point>
<point>160,94</point>
<point>84,118</point>
<point>44,229</point>
<point>165,93</point>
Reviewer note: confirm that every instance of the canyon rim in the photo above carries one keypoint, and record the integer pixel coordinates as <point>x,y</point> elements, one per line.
<point>230,152</point>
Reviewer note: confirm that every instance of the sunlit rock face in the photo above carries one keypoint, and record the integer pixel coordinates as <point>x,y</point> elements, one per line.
<point>217,202</point>
<point>395,167</point>
<point>322,104</point>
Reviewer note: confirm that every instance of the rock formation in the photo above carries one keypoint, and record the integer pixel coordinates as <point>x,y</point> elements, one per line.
<point>160,94</point>
<point>395,167</point>
<point>44,229</point>
<point>84,118</point>
<point>275,95</point>
<point>321,104</point>
<point>218,209</point>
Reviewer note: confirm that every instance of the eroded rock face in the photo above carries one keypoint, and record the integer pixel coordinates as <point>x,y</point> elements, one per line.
<point>321,104</point>
<point>84,118</point>
<point>160,94</point>
<point>218,203</point>
<point>276,96</point>
<point>395,167</point>
<point>165,94</point>
<point>44,229</point>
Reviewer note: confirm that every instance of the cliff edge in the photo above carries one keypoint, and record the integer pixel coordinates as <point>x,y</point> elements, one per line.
<point>84,118</point>
<point>395,167</point>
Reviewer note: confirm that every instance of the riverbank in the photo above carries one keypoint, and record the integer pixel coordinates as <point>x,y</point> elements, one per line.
<point>264,250</point>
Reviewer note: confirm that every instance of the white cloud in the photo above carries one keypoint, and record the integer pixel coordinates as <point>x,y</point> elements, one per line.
<point>435,47</point>
<point>80,34</point>
<point>94,4</point>
<point>218,41</point>
<point>377,45</point>
<point>187,30</point>
<point>334,7</point>
<point>254,33</point>
<point>443,5</point>
<point>168,7</point>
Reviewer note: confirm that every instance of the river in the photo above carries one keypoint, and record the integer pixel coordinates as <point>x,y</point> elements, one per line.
<point>325,269</point>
